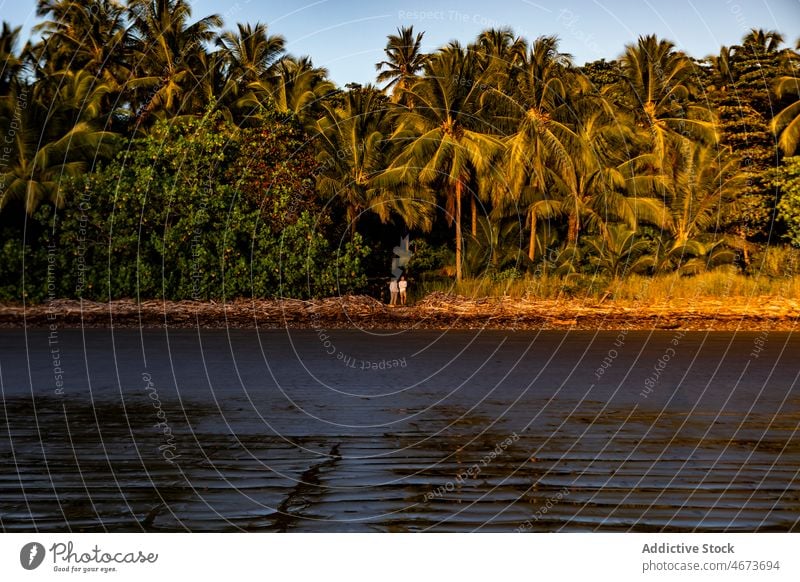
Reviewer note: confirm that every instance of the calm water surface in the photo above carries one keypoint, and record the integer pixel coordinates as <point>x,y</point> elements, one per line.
<point>399,431</point>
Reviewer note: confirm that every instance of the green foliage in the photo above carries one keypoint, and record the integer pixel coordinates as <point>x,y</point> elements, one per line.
<point>274,168</point>
<point>739,90</point>
<point>495,248</point>
<point>775,261</point>
<point>161,220</point>
<point>618,253</point>
<point>245,167</point>
<point>602,73</point>
<point>787,178</point>
<point>428,258</point>
<point>404,60</point>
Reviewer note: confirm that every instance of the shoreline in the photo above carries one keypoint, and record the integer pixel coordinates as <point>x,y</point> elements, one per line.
<point>435,311</point>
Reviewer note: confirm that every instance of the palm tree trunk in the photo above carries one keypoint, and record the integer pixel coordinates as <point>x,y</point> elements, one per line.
<point>532,247</point>
<point>573,229</point>
<point>459,187</point>
<point>474,216</point>
<point>745,250</point>
<point>352,215</point>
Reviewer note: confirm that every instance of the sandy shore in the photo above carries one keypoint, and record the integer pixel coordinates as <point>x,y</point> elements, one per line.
<point>436,311</point>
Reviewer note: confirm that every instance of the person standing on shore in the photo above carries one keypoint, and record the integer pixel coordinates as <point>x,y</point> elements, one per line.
<point>394,289</point>
<point>402,286</point>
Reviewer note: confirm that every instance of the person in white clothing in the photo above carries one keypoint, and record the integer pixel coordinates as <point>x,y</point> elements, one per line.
<point>402,286</point>
<point>394,289</point>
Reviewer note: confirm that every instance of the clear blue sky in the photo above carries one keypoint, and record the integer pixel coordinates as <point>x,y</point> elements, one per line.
<point>347,37</point>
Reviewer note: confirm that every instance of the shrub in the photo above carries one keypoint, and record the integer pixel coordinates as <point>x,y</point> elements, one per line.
<point>163,220</point>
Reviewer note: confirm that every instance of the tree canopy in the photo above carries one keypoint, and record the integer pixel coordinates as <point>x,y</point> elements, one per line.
<point>209,152</point>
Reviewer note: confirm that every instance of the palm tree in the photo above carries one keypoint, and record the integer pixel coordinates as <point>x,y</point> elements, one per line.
<point>571,155</point>
<point>10,62</point>
<point>539,205</point>
<point>533,107</point>
<point>762,42</point>
<point>85,36</point>
<point>496,247</point>
<point>444,143</point>
<point>721,68</point>
<point>499,51</point>
<point>706,187</point>
<point>665,255</point>
<point>498,55</point>
<point>166,49</point>
<point>404,60</point>
<point>619,252</point>
<point>656,86</point>
<point>786,124</point>
<point>57,134</point>
<point>297,87</point>
<point>353,147</point>
<point>251,53</point>
<point>602,179</point>
<point>212,88</point>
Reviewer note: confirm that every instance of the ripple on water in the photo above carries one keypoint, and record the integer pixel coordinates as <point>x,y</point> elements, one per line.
<point>665,472</point>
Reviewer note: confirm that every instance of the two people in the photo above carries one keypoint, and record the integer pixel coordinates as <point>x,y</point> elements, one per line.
<point>397,290</point>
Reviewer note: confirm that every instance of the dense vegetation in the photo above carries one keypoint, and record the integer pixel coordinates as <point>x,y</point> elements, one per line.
<point>148,154</point>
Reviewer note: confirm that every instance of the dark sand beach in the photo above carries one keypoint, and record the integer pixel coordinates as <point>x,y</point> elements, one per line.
<point>398,430</point>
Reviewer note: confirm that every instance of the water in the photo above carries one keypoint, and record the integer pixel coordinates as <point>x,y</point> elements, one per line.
<point>367,431</point>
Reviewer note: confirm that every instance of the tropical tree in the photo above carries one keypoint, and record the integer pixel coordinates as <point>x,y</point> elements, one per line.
<point>619,251</point>
<point>664,255</point>
<point>721,69</point>
<point>167,51</point>
<point>706,189</point>
<point>539,205</point>
<point>533,107</point>
<point>651,162</point>
<point>498,52</point>
<point>214,89</point>
<point>656,87</point>
<point>604,178</point>
<point>404,60</point>
<point>787,178</point>
<point>91,36</point>
<point>297,88</point>
<point>762,42</point>
<point>49,143</point>
<point>353,146</point>
<point>10,61</point>
<point>444,143</point>
<point>496,246</point>
<point>252,54</point>
<point>602,74</point>
<point>740,93</point>
<point>786,124</point>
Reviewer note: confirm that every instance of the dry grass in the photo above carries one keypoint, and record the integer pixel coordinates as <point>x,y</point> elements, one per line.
<point>712,285</point>
<point>717,284</point>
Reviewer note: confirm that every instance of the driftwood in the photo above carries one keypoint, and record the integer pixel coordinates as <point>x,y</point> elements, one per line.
<point>435,311</point>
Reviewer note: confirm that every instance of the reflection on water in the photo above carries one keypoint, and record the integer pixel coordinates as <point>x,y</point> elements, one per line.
<point>543,464</point>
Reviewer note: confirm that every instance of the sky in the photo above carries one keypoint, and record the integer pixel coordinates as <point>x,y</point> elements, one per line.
<point>348,36</point>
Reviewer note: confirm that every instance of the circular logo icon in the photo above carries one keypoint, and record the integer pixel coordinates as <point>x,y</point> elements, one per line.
<point>31,555</point>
